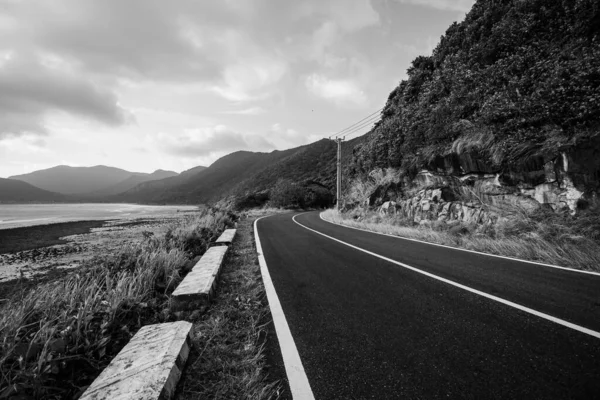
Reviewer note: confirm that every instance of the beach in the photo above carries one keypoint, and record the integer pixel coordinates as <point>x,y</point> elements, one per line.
<point>30,253</point>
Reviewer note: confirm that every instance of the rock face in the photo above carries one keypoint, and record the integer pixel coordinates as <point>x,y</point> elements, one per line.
<point>429,205</point>
<point>465,188</point>
<point>389,207</point>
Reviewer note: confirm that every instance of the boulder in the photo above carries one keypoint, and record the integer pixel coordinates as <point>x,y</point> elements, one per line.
<point>388,207</point>
<point>436,195</point>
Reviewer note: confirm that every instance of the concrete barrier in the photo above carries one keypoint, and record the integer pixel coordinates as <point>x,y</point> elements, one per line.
<point>226,237</point>
<point>198,286</point>
<point>148,368</point>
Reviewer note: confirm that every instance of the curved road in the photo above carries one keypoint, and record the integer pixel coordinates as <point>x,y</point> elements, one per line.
<point>369,328</point>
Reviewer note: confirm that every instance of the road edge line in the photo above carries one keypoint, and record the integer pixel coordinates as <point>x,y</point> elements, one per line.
<point>297,379</point>
<point>466,250</point>
<point>464,287</point>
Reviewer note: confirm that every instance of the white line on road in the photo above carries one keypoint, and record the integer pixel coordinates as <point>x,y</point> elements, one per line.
<point>291,359</point>
<point>458,285</point>
<point>467,250</point>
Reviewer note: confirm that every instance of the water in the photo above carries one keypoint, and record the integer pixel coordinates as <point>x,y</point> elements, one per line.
<point>17,215</point>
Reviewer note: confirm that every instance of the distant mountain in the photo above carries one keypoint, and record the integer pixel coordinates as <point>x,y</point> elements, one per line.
<point>162,174</point>
<point>244,172</point>
<point>14,191</point>
<point>75,180</point>
<point>134,180</point>
<point>89,181</point>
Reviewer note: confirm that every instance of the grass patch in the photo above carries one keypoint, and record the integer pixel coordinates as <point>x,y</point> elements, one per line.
<point>57,337</point>
<point>227,360</point>
<point>544,236</point>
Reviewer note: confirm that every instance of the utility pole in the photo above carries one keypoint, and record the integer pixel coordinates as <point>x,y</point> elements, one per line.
<point>339,174</point>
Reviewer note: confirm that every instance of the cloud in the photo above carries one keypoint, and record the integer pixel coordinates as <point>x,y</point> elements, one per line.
<point>247,80</point>
<point>340,92</point>
<point>352,15</point>
<point>29,90</point>
<point>446,5</point>
<point>247,111</point>
<point>24,144</point>
<point>204,142</point>
<point>285,138</point>
<point>145,39</point>
<point>198,64</point>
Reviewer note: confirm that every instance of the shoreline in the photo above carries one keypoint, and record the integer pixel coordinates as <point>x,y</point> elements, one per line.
<point>31,255</point>
<point>14,240</point>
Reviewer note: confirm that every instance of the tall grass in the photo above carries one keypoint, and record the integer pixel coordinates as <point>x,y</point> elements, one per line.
<point>56,338</point>
<point>543,236</point>
<point>228,359</point>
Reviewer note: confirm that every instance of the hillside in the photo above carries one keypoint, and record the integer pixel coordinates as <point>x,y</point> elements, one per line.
<point>132,181</point>
<point>14,191</point>
<point>206,185</point>
<point>243,172</point>
<point>312,163</point>
<point>513,90</point>
<point>192,171</point>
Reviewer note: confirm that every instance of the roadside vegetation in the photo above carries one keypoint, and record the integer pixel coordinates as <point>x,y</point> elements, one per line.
<point>287,194</point>
<point>228,359</point>
<point>57,337</point>
<point>512,81</point>
<point>543,236</point>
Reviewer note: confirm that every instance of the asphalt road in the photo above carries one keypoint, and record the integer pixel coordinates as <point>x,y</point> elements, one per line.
<point>366,328</point>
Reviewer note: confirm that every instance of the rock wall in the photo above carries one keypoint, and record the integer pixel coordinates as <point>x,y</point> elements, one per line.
<point>429,205</point>
<point>464,188</point>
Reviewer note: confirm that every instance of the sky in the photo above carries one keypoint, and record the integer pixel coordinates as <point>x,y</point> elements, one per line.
<point>153,84</point>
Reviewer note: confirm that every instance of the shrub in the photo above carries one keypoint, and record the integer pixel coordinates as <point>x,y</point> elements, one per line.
<point>249,201</point>
<point>287,194</point>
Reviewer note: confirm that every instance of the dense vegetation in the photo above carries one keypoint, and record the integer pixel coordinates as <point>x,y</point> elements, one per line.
<point>515,80</point>
<point>56,338</point>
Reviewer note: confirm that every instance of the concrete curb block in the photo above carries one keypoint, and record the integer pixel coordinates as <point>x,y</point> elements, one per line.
<point>148,367</point>
<point>199,285</point>
<point>226,237</point>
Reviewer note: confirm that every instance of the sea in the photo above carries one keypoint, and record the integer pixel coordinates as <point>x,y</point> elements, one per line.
<point>19,215</point>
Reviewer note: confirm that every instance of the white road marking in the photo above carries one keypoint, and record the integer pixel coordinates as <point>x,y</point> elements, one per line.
<point>458,285</point>
<point>467,250</point>
<point>291,359</point>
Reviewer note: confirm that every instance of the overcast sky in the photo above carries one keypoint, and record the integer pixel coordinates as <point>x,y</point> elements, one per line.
<point>148,84</point>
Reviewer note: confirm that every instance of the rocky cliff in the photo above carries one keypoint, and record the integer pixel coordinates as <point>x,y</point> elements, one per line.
<point>464,187</point>
<point>504,115</point>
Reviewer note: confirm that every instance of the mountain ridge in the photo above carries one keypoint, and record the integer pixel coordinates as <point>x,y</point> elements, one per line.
<point>15,191</point>
<point>90,182</point>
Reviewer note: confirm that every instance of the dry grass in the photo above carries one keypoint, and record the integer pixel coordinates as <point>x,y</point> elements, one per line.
<point>227,359</point>
<point>544,236</point>
<point>56,338</point>
<point>261,212</point>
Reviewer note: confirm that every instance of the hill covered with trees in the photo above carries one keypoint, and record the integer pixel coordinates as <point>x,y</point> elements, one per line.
<point>305,174</point>
<point>505,91</point>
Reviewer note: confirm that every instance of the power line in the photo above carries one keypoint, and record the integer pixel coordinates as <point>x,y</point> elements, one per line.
<point>354,125</point>
<point>355,128</point>
<point>361,127</point>
<point>345,130</point>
